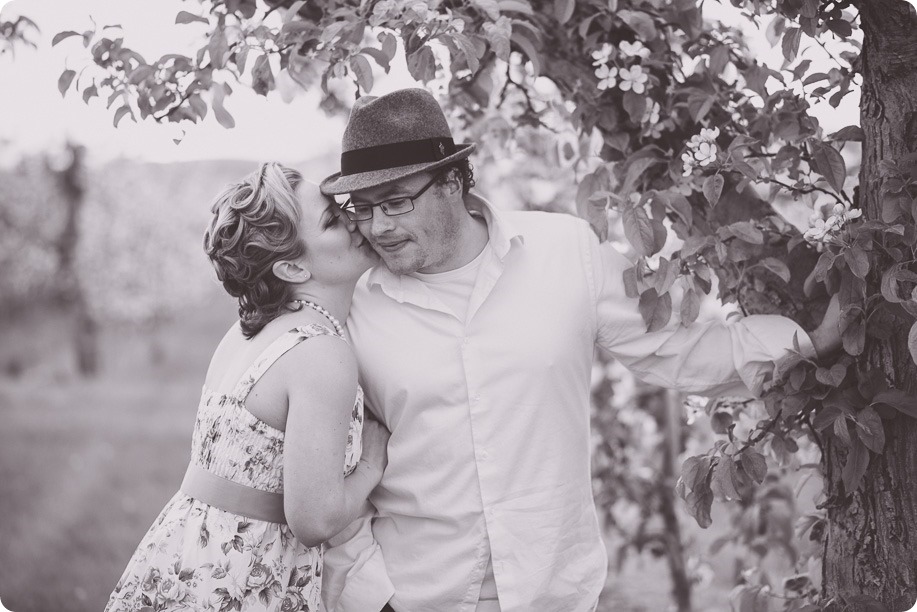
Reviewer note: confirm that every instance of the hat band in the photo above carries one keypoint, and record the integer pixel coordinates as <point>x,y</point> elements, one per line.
<point>396,154</point>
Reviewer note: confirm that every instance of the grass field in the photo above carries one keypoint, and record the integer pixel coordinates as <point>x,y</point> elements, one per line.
<point>85,466</point>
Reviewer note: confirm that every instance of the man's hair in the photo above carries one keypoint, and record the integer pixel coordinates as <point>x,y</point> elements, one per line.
<point>464,171</point>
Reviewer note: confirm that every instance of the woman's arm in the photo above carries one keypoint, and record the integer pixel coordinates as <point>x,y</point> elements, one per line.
<point>321,377</point>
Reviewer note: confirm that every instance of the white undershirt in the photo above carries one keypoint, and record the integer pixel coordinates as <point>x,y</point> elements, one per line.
<point>453,288</point>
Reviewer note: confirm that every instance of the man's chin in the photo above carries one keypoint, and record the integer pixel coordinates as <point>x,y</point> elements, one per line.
<point>398,266</point>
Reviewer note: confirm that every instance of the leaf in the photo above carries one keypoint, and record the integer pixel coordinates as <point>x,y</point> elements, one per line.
<point>363,71</point>
<point>591,211</point>
<point>832,376</point>
<point>870,429</point>
<point>801,68</point>
<point>825,417</point>
<point>857,260</point>
<point>62,36</point>
<point>89,92</point>
<point>498,34</point>
<point>719,57</point>
<point>901,401</point>
<point>777,267</point>
<point>855,467</point>
<point>713,188</point>
<point>889,284</point>
<point>690,307</point>
<point>198,105</point>
<point>488,7</point>
<point>422,64</point>
<point>383,60</point>
<point>699,104</point>
<point>468,49</point>
<point>293,10</point>
<point>222,116</point>
<point>754,465</point>
<point>851,133</point>
<point>912,342</point>
<point>638,229</point>
<point>63,83</point>
<point>563,10</point>
<point>186,17</point>
<point>830,164</point>
<point>639,22</point>
<point>120,113</point>
<point>528,48</point>
<point>791,40</point>
<point>655,309</point>
<point>725,478</point>
<point>515,6</point>
<point>389,44</point>
<point>720,421</point>
<point>842,431</point>
<point>263,77</point>
<point>635,105</point>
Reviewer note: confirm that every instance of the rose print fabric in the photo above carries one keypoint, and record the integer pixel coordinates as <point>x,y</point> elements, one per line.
<point>198,557</point>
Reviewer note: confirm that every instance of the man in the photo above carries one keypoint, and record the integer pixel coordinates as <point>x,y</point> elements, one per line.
<point>475,341</point>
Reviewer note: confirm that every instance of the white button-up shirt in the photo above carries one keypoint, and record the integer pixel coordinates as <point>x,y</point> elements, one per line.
<point>489,456</point>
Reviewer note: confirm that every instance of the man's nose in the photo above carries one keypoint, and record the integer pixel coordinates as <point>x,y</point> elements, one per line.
<point>380,223</point>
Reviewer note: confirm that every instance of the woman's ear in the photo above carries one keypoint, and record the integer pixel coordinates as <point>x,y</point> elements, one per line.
<point>291,272</point>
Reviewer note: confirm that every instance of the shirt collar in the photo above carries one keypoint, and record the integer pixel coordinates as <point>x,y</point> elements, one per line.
<point>502,234</point>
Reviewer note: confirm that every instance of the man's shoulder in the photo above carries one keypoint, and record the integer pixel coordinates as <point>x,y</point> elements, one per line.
<point>551,224</point>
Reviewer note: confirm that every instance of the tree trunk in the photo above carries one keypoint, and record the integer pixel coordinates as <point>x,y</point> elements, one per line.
<point>871,544</point>
<point>85,341</point>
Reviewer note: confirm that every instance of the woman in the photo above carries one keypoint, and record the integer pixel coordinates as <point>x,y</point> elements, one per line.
<point>280,420</point>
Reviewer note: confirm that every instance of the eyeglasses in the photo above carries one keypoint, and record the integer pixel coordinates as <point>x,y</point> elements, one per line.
<point>391,208</point>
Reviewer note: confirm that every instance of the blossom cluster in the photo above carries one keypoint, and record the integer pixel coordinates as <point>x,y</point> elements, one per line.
<point>822,231</point>
<point>701,151</point>
<point>634,78</point>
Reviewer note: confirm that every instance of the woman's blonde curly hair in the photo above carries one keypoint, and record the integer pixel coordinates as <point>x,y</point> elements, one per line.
<point>255,224</point>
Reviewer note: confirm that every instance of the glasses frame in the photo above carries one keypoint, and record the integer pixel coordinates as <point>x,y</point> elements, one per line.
<point>346,206</point>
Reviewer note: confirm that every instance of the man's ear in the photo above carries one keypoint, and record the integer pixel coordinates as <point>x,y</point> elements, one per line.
<point>453,181</point>
<point>291,272</point>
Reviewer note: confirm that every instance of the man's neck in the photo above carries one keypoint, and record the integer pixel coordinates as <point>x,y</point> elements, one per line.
<point>472,239</point>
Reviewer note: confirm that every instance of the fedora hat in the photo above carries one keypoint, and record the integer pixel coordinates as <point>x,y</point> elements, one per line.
<point>392,137</point>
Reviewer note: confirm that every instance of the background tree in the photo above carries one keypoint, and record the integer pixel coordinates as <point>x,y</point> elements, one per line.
<point>694,137</point>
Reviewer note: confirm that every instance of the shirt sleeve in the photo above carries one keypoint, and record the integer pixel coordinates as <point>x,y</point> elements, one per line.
<point>711,358</point>
<point>354,578</point>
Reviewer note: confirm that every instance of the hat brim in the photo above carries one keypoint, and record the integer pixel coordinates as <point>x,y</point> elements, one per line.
<point>336,184</point>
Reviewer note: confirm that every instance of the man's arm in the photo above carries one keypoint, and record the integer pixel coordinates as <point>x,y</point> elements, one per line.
<point>713,357</point>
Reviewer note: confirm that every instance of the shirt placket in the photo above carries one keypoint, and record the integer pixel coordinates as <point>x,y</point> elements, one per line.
<point>482,457</point>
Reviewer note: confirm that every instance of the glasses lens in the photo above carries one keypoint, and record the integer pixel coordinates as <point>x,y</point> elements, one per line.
<point>359,212</point>
<point>397,207</point>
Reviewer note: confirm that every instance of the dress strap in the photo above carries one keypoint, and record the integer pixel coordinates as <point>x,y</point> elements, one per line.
<point>274,351</point>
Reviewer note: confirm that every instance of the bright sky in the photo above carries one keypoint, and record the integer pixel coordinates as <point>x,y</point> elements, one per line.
<point>34,117</point>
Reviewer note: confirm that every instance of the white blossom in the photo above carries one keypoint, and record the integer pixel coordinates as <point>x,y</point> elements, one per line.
<point>607,76</point>
<point>822,231</point>
<point>651,114</point>
<point>634,49</point>
<point>603,55</point>
<point>702,150</point>
<point>633,79</point>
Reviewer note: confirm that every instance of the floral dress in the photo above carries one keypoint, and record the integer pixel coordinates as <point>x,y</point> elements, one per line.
<point>199,557</point>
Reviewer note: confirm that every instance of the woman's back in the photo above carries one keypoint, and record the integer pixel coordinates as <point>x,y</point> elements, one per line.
<point>195,550</point>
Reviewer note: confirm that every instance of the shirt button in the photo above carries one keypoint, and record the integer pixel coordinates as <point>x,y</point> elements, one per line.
<point>475,399</point>
<point>483,454</point>
<point>464,341</point>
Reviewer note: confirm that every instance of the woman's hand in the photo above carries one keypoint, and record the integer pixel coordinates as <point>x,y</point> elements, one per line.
<point>375,445</point>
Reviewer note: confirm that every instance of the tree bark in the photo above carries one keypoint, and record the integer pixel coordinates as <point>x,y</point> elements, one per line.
<point>871,543</point>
